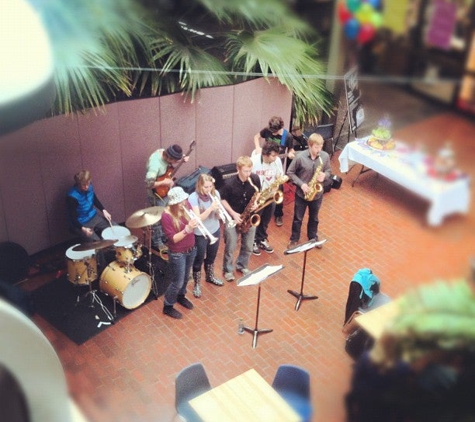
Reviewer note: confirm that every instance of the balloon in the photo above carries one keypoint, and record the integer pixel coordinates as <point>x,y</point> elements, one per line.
<point>376,19</point>
<point>364,13</point>
<point>352,28</point>
<point>374,3</point>
<point>365,33</point>
<point>343,13</point>
<point>353,5</point>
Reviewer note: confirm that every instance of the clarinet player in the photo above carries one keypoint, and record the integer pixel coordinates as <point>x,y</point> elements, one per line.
<point>308,170</point>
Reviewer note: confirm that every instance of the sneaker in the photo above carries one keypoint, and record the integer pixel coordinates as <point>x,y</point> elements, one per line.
<point>255,249</point>
<point>264,245</point>
<point>183,301</point>
<point>244,271</point>
<point>278,221</point>
<point>172,312</point>
<point>291,244</point>
<point>229,276</point>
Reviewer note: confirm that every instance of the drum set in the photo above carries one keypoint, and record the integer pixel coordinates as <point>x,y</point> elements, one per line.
<point>120,279</point>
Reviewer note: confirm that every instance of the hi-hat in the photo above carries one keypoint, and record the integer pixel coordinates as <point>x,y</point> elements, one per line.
<point>145,217</point>
<point>99,244</point>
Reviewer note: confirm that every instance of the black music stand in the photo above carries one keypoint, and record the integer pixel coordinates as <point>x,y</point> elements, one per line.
<point>257,277</point>
<point>304,247</point>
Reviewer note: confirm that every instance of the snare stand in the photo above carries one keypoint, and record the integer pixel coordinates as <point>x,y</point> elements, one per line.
<point>94,296</point>
<point>304,247</point>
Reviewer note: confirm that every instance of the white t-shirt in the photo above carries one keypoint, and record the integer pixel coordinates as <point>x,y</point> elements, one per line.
<point>267,172</point>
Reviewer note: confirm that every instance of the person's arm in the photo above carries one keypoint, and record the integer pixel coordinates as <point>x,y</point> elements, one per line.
<point>289,143</point>
<point>257,143</point>
<point>99,206</point>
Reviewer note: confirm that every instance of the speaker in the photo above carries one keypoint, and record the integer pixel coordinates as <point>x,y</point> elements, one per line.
<point>15,262</point>
<point>221,173</point>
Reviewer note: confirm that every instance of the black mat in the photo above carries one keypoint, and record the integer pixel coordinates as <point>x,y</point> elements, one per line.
<point>58,303</point>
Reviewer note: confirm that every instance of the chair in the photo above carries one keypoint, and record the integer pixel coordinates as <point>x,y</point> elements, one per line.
<point>326,131</point>
<point>293,384</point>
<point>190,383</point>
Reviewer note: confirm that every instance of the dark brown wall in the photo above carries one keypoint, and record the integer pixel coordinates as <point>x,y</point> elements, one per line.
<point>37,162</point>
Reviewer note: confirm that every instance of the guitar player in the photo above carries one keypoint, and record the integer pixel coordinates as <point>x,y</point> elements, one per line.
<point>161,166</point>
<point>275,132</point>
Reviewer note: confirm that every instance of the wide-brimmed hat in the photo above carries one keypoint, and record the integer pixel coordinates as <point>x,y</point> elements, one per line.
<point>176,195</point>
<point>175,152</point>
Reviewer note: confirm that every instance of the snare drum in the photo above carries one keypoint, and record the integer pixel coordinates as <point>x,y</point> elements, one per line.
<point>82,266</point>
<point>127,250</point>
<point>115,232</point>
<point>129,285</point>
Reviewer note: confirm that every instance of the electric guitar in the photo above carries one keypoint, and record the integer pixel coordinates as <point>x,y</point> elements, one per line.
<point>162,190</point>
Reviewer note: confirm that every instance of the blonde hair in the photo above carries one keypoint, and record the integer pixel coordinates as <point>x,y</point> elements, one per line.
<point>84,176</point>
<point>176,212</point>
<point>202,179</point>
<point>315,138</point>
<point>243,161</point>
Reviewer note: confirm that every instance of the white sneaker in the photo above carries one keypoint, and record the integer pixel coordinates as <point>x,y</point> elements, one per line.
<point>264,245</point>
<point>229,276</point>
<point>255,250</point>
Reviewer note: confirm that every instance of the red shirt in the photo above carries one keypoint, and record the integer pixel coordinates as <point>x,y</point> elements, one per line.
<point>170,230</point>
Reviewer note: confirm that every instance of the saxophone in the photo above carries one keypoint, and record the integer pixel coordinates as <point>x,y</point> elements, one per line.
<point>248,218</point>
<point>314,185</point>
<point>271,193</point>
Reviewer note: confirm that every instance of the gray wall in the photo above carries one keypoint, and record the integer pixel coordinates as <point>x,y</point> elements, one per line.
<point>37,162</point>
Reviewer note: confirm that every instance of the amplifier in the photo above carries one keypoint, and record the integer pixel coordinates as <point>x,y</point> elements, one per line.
<point>221,173</point>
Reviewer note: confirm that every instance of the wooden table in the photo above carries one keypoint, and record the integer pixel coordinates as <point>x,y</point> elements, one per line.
<point>247,397</point>
<point>375,321</point>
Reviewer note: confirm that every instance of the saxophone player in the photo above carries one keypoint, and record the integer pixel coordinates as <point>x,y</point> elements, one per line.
<point>267,166</point>
<point>308,171</point>
<point>238,194</point>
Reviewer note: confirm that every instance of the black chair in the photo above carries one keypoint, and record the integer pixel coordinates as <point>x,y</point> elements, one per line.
<point>326,131</point>
<point>293,384</point>
<point>190,383</point>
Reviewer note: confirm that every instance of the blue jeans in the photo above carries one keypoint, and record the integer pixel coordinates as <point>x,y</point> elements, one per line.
<point>300,206</point>
<point>205,252</point>
<point>230,239</point>
<point>158,240</point>
<point>180,266</point>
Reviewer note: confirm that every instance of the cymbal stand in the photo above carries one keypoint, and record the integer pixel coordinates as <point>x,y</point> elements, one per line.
<point>147,233</point>
<point>93,294</point>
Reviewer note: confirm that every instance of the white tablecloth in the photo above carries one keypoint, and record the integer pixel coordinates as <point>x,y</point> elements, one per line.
<point>407,168</point>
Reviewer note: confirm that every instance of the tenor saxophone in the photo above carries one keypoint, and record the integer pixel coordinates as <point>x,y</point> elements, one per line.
<point>314,185</point>
<point>271,193</point>
<point>248,217</point>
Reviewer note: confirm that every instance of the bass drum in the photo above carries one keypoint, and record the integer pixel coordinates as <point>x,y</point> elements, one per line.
<point>130,286</point>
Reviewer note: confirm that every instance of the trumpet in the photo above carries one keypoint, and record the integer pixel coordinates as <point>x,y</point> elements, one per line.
<point>223,214</point>
<point>201,227</point>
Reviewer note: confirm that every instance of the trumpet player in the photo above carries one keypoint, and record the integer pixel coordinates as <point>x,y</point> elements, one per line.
<point>206,207</point>
<point>307,171</point>
<point>267,166</point>
<point>179,231</point>
<point>239,194</point>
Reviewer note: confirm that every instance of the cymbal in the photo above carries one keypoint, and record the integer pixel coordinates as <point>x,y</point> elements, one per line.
<point>145,217</point>
<point>99,244</point>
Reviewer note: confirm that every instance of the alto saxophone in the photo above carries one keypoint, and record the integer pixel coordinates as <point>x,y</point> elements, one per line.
<point>314,185</point>
<point>271,193</point>
<point>248,218</point>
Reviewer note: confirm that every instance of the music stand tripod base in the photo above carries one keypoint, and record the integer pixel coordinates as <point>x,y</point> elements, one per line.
<point>255,333</point>
<point>300,297</point>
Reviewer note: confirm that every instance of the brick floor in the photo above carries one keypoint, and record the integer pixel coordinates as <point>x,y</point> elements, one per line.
<point>127,372</point>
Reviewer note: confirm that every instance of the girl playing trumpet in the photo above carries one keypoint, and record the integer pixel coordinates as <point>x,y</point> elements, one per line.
<point>179,232</point>
<point>207,209</point>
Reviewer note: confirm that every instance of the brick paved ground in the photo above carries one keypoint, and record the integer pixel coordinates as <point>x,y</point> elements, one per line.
<point>127,373</point>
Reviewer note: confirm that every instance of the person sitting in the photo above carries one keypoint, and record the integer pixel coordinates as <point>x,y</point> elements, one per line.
<point>83,203</point>
<point>364,295</point>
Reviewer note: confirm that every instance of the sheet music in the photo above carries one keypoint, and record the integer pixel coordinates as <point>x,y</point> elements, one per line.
<point>259,275</point>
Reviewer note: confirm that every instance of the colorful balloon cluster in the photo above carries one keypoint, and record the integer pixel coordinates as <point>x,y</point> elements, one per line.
<point>360,19</point>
